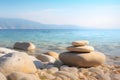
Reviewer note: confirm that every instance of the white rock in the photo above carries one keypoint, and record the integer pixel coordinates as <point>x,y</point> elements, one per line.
<point>6,50</point>
<point>17,61</point>
<point>2,77</point>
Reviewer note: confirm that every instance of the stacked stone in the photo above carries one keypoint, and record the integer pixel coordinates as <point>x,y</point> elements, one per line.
<point>80,47</point>
<point>82,55</point>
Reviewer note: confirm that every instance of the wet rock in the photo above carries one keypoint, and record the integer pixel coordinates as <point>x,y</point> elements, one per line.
<point>27,46</point>
<point>58,63</point>
<point>45,58</point>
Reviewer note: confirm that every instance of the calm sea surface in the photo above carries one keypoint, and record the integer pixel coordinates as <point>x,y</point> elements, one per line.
<point>107,41</point>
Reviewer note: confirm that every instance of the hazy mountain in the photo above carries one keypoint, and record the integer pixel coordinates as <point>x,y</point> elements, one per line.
<point>10,23</point>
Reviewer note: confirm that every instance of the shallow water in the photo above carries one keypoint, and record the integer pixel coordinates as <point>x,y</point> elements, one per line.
<point>107,41</point>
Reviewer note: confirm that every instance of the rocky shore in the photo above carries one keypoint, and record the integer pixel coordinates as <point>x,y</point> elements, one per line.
<point>80,62</point>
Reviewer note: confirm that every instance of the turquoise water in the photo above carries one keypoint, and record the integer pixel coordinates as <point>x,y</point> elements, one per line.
<point>107,41</point>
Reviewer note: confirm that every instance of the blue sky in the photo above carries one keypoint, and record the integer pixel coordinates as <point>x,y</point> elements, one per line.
<point>87,13</point>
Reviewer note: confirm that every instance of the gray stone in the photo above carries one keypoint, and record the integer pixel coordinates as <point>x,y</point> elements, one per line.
<point>37,62</point>
<point>27,46</point>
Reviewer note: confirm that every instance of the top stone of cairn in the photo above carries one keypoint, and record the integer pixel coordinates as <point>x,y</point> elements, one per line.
<point>80,43</point>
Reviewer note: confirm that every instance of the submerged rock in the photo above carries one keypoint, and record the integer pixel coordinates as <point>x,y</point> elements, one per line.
<point>27,46</point>
<point>82,60</point>
<point>45,58</point>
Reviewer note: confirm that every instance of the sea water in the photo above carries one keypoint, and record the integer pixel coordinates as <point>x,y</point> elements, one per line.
<point>106,41</point>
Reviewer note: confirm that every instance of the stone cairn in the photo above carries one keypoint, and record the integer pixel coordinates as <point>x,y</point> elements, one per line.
<point>82,55</point>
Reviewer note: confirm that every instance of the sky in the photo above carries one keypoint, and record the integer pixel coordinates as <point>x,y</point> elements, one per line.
<point>104,14</point>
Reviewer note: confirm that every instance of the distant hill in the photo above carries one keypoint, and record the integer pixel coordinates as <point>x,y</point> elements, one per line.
<point>15,23</point>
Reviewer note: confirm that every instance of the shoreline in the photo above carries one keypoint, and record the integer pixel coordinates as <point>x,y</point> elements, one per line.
<point>110,70</point>
<point>110,59</point>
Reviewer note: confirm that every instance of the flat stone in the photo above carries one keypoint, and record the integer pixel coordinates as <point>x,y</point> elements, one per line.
<point>80,43</point>
<point>81,49</point>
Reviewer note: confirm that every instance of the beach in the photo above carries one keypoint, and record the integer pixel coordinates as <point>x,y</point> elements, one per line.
<point>47,65</point>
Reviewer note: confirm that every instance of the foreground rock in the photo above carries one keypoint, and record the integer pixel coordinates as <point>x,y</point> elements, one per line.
<point>82,60</point>
<point>53,54</point>
<point>17,61</point>
<point>27,46</point>
<point>2,77</point>
<point>22,76</point>
<point>81,49</point>
<point>80,43</point>
<point>6,50</point>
